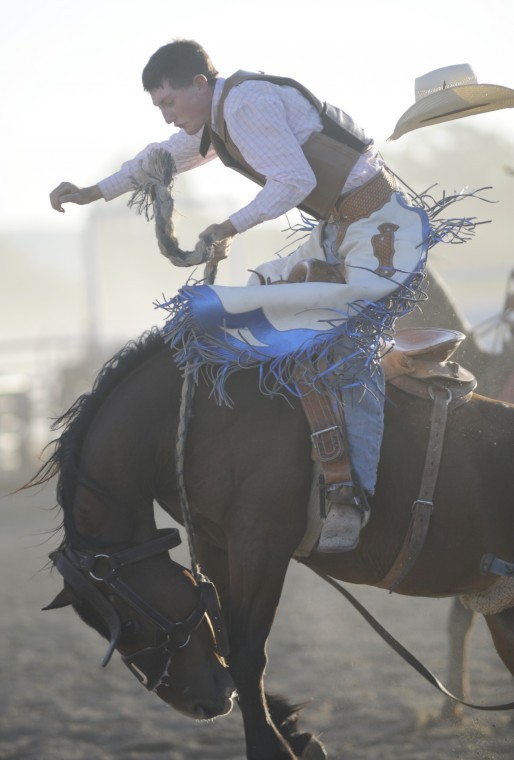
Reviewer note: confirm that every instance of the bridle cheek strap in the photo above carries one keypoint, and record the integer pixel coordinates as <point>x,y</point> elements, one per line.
<point>150,664</point>
<point>72,564</point>
<point>87,591</point>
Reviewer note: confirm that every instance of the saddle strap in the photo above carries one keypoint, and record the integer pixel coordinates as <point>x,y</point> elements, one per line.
<point>327,435</point>
<point>423,507</point>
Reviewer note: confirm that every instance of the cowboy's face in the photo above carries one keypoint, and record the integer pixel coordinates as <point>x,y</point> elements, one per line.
<point>188,108</point>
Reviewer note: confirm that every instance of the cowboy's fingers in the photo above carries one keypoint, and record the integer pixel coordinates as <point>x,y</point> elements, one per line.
<point>57,195</point>
<point>220,249</point>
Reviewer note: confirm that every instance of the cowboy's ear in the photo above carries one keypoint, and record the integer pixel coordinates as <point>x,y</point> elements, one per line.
<point>63,599</point>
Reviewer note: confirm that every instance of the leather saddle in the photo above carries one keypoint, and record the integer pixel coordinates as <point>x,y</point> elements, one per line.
<point>418,357</point>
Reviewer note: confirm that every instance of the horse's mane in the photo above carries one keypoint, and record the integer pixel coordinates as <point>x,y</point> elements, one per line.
<point>75,422</point>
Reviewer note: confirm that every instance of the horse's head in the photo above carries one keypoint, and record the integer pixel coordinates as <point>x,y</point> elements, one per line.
<point>163,620</point>
<point>166,625</point>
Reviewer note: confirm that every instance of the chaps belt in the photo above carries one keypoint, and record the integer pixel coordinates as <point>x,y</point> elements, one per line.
<point>360,203</point>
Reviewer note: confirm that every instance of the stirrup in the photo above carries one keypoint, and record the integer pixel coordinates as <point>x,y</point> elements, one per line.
<point>346,516</point>
<point>341,529</point>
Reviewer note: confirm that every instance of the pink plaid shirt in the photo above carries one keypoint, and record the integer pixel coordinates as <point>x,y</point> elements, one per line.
<point>269,124</point>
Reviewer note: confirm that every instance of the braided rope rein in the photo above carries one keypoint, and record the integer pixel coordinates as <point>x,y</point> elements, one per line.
<point>152,197</point>
<point>186,399</point>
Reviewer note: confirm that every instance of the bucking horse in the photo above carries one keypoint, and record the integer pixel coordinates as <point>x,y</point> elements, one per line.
<point>240,481</point>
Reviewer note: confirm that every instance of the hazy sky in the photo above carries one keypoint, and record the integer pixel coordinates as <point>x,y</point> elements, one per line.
<point>73,106</point>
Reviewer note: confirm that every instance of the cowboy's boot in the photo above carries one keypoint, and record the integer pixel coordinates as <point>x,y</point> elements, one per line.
<point>345,518</point>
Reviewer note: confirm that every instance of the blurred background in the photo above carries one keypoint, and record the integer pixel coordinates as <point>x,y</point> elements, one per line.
<point>74,287</point>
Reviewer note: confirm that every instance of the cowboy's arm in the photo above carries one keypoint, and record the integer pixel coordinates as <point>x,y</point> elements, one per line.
<point>184,149</point>
<point>67,192</point>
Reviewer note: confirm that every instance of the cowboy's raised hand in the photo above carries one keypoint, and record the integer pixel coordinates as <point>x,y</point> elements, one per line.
<point>67,192</point>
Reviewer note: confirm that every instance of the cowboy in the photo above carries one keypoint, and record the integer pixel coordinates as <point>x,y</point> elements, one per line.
<point>312,156</point>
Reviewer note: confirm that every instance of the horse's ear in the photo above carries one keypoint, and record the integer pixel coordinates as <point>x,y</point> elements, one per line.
<point>63,599</point>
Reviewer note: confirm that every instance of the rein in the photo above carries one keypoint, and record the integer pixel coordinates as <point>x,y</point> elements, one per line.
<point>85,572</point>
<point>207,587</point>
<point>401,650</point>
<point>150,665</point>
<point>153,199</point>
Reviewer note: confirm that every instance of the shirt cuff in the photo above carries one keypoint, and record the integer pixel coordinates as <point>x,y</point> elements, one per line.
<point>115,185</point>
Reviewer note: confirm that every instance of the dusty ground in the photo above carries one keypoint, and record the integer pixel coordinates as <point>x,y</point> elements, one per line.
<point>57,703</point>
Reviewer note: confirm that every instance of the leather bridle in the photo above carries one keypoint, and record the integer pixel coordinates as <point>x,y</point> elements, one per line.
<point>86,572</point>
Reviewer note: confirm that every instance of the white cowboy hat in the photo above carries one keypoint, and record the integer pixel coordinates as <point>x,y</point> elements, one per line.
<point>451,93</point>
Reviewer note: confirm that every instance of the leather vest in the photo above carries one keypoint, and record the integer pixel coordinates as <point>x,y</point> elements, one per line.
<point>331,153</point>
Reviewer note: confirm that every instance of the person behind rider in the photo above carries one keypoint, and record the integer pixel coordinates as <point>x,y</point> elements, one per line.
<point>271,132</point>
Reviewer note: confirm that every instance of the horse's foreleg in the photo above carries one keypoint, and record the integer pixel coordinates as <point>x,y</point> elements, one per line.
<point>214,563</point>
<point>256,580</point>
<point>460,624</point>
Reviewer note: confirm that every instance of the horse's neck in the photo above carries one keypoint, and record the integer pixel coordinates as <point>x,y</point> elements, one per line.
<point>119,462</point>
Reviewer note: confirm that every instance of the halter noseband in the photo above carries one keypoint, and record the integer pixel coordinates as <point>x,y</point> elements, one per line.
<point>83,571</point>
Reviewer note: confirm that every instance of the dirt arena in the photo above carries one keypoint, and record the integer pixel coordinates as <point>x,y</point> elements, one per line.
<point>57,703</point>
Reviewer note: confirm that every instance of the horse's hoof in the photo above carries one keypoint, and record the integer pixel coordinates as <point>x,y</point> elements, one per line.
<point>314,751</point>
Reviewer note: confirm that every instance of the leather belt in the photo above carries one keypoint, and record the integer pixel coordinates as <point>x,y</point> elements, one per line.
<point>362,202</point>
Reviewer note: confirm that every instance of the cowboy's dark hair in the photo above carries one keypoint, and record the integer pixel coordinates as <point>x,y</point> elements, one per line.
<point>177,63</point>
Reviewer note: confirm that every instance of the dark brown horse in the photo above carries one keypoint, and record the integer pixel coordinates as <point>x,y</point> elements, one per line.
<point>248,475</point>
